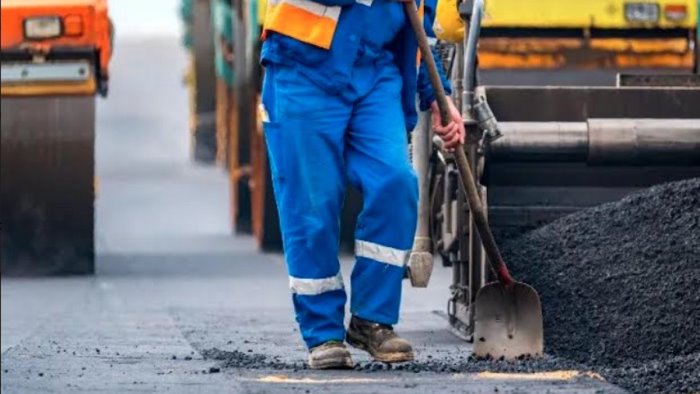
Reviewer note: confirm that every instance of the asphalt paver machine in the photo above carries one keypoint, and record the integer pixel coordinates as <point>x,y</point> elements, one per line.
<point>542,152</point>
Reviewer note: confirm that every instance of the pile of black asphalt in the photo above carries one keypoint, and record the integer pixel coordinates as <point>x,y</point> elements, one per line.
<point>619,287</point>
<point>619,290</point>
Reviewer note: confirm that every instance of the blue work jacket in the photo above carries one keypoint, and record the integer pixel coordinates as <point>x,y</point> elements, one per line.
<point>332,68</point>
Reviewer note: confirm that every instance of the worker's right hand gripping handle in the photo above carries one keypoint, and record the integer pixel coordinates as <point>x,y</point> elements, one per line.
<point>465,171</point>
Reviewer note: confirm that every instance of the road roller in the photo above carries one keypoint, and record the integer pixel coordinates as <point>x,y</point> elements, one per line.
<point>55,60</point>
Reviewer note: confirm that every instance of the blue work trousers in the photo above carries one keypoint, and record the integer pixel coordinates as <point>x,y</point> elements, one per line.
<point>317,142</point>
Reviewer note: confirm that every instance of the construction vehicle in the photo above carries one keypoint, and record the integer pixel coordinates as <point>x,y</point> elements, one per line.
<point>508,314</point>
<point>55,59</point>
<point>219,98</point>
<point>568,148</point>
<point>591,35</point>
<point>200,78</point>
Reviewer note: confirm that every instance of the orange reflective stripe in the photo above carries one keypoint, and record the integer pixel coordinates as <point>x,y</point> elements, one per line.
<point>304,20</point>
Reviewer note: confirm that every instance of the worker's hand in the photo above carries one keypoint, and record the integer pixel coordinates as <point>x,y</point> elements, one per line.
<point>452,134</point>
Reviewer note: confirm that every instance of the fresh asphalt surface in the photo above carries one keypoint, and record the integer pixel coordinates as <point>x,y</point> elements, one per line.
<point>173,282</point>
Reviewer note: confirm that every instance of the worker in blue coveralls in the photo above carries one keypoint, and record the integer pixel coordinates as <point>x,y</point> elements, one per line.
<point>339,95</point>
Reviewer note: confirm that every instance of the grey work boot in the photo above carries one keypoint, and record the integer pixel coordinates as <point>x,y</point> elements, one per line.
<point>379,340</point>
<point>330,355</point>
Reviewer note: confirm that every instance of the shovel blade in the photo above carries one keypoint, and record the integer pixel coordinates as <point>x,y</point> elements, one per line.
<point>508,322</point>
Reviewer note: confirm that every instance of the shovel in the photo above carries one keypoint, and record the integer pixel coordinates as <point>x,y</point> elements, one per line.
<point>508,314</point>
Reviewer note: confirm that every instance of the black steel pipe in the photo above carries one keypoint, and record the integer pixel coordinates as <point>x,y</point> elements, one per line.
<point>600,142</point>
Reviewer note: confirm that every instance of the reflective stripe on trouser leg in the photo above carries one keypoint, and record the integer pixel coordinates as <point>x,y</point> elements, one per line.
<point>377,162</point>
<point>320,307</point>
<point>307,172</point>
<point>376,281</point>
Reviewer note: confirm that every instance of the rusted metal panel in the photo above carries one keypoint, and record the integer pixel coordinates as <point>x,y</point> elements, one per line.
<point>47,182</point>
<point>585,53</point>
<point>245,91</point>
<point>584,60</point>
<point>239,171</point>
<point>87,87</point>
<point>223,125</point>
<point>259,184</point>
<point>578,104</point>
<point>525,45</point>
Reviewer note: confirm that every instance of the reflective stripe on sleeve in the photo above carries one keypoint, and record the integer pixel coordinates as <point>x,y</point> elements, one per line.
<point>315,286</point>
<point>381,253</point>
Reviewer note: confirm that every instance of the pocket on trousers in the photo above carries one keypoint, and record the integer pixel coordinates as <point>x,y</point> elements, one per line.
<point>275,150</point>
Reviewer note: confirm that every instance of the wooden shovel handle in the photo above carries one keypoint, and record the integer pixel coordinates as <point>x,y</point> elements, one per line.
<point>465,170</point>
<point>427,56</point>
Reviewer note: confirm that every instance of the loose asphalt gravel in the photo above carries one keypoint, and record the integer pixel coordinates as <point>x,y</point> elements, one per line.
<point>618,285</point>
<point>449,364</point>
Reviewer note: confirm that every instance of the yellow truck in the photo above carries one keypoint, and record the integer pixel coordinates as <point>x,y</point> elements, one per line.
<point>590,34</point>
<point>55,58</point>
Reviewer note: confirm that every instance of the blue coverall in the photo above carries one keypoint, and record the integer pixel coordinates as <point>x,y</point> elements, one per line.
<point>336,116</point>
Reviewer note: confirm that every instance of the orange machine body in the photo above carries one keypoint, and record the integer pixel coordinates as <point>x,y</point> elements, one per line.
<point>74,60</point>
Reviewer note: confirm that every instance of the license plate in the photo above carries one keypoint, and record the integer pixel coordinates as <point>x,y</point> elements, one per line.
<point>642,12</point>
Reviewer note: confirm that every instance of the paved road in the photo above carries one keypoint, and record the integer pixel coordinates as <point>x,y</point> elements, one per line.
<point>173,284</point>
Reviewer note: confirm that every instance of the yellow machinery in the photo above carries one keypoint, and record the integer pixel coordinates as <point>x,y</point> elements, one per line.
<point>590,34</point>
<point>55,58</point>
<point>543,152</point>
<point>525,34</point>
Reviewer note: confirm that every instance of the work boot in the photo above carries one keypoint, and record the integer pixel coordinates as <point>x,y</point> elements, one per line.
<point>330,355</point>
<point>379,340</point>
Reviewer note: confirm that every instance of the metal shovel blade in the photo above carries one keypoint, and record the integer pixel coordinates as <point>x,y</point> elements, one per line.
<point>508,322</point>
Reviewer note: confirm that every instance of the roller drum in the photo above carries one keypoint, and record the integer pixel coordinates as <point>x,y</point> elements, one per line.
<point>47,183</point>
